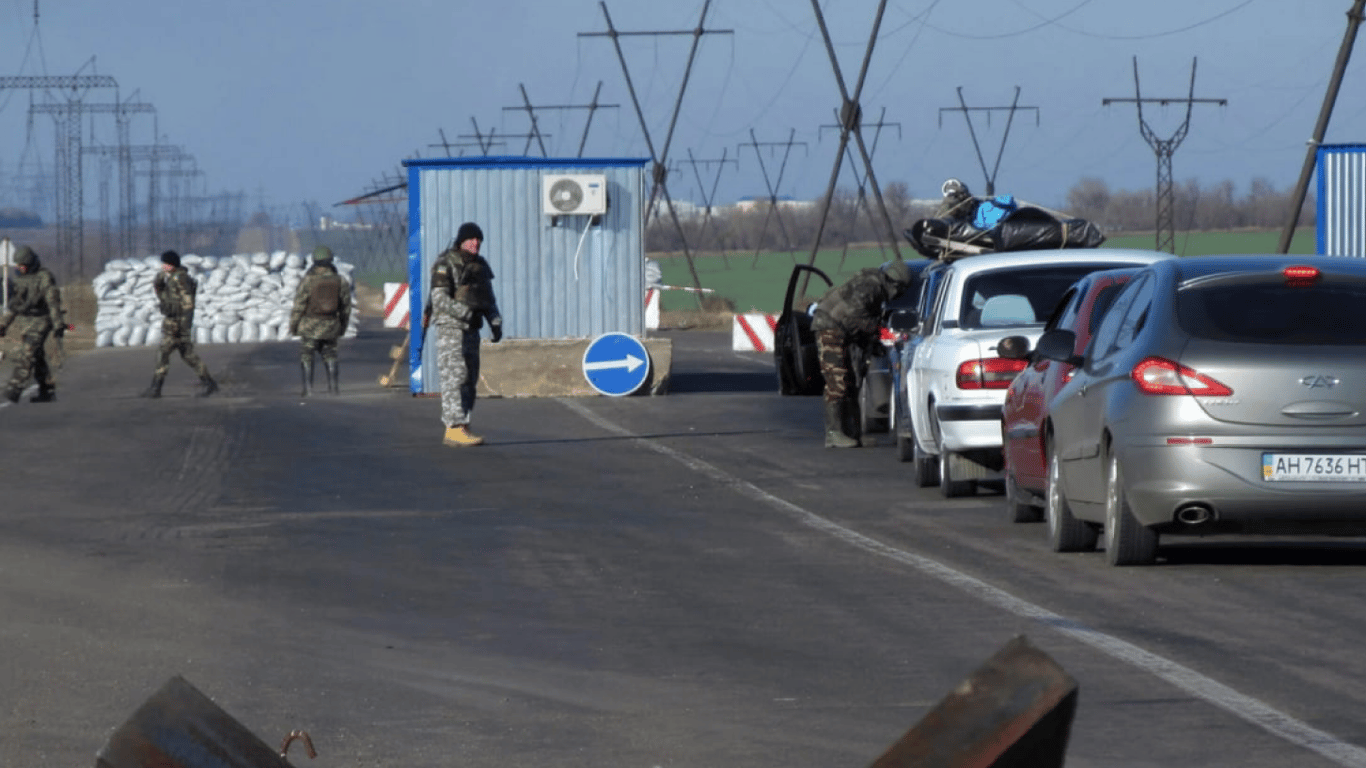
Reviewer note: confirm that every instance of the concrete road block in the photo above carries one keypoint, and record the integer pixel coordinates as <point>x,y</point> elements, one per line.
<point>1014,712</point>
<point>554,368</point>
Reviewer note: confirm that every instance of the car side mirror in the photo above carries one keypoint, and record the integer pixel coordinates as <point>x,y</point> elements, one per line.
<point>1058,344</point>
<point>903,320</point>
<point>1013,348</point>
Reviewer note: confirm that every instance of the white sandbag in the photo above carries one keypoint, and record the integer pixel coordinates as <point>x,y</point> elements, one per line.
<point>202,334</point>
<point>104,338</point>
<point>154,335</point>
<point>137,336</point>
<point>121,336</point>
<point>277,260</point>
<point>219,334</point>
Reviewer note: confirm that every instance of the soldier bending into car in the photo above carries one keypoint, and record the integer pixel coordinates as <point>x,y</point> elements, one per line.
<point>322,310</point>
<point>848,315</point>
<point>35,310</point>
<point>176,291</point>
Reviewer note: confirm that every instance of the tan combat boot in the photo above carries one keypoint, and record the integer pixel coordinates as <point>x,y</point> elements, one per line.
<point>460,436</point>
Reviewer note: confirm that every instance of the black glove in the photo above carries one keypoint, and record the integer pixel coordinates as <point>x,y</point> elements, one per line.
<point>60,330</point>
<point>3,329</point>
<point>496,328</point>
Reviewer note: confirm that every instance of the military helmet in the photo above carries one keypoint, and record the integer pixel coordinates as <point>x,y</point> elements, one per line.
<point>24,256</point>
<point>322,255</point>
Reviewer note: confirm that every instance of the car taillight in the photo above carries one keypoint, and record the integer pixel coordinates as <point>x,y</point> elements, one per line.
<point>1159,376</point>
<point>990,373</point>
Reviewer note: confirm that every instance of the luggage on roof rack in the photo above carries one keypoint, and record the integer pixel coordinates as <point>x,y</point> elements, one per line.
<point>1026,228</point>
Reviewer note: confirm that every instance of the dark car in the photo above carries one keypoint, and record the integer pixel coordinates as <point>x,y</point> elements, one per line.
<point>1026,403</point>
<point>797,362</point>
<point>1219,395</point>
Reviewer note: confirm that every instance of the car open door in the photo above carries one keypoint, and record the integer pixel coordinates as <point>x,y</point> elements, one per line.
<point>794,343</point>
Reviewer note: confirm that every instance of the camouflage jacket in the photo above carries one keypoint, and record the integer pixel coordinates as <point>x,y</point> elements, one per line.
<point>35,302</point>
<point>854,308</point>
<point>462,291</point>
<point>322,304</point>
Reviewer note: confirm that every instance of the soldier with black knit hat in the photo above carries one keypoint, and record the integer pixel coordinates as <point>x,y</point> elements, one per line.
<point>322,310</point>
<point>176,291</point>
<point>461,299</point>
<point>35,310</point>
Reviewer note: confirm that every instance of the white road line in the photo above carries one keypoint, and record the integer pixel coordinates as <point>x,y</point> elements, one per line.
<point>1252,710</point>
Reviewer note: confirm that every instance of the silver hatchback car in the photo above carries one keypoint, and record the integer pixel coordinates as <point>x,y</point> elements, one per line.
<point>1222,394</point>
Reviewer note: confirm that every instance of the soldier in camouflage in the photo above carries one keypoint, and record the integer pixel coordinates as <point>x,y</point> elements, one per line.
<point>322,311</point>
<point>461,299</point>
<point>175,291</point>
<point>35,310</point>
<point>847,316</point>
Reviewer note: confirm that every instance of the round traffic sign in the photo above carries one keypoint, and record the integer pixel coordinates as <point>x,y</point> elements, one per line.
<point>616,364</point>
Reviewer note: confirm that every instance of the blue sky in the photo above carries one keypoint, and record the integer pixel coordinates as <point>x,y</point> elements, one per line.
<point>288,100</point>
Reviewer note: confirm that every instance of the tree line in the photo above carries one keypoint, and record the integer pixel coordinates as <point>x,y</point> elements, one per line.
<point>855,218</point>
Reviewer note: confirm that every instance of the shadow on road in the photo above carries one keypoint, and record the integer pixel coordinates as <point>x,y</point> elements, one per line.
<point>1327,553</point>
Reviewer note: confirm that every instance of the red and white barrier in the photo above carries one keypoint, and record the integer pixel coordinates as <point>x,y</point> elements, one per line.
<point>396,308</point>
<point>652,308</point>
<point>753,332</point>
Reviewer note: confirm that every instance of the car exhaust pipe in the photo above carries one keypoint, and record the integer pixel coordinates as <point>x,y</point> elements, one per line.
<point>1195,514</point>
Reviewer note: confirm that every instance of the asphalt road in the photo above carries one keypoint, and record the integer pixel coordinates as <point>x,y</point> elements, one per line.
<point>688,580</point>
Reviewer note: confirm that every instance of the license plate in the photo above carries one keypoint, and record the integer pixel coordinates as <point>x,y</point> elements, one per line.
<point>1314,467</point>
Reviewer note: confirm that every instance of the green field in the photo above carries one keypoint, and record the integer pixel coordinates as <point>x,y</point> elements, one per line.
<point>751,284</point>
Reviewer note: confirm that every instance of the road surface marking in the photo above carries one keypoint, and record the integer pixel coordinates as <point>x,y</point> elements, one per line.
<point>1207,689</point>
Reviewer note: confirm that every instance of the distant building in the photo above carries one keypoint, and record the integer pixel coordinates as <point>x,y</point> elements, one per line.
<point>785,202</point>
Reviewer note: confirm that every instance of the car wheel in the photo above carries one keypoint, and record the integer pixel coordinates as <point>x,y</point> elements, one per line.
<point>1127,542</point>
<point>905,443</point>
<point>871,423</point>
<point>1019,510</point>
<point>924,466</point>
<point>1065,532</point>
<point>947,485</point>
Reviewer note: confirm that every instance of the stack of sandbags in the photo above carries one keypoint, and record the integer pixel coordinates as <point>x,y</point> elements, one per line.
<point>242,298</point>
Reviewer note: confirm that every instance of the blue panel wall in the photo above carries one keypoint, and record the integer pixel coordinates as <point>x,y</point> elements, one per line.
<point>565,277</point>
<point>1342,200</point>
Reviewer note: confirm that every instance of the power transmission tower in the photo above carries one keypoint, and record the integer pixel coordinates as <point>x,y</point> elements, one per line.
<point>772,208</point>
<point>967,115</point>
<point>489,140</point>
<point>122,112</point>
<point>446,145</point>
<point>861,202</point>
<point>68,151</point>
<point>1165,148</point>
<point>709,198</point>
<point>535,128</point>
<point>1354,18</point>
<point>850,120</point>
<point>660,172</point>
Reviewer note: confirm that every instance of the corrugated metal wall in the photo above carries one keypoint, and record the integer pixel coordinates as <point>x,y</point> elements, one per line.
<point>1342,200</point>
<point>560,278</point>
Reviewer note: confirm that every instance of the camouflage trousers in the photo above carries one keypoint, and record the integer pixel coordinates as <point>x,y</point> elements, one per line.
<point>184,344</point>
<point>31,361</point>
<point>325,348</point>
<point>457,361</point>
<point>836,366</point>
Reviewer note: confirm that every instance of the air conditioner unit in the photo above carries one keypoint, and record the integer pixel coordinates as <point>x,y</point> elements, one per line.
<point>574,194</point>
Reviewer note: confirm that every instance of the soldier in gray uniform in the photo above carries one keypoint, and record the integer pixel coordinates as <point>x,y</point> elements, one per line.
<point>35,310</point>
<point>461,299</point>
<point>848,315</point>
<point>322,310</point>
<point>176,291</point>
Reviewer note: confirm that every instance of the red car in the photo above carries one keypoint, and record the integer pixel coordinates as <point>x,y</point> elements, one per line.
<point>1026,473</point>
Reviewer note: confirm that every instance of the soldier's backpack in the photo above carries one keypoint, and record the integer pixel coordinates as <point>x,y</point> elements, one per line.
<point>322,297</point>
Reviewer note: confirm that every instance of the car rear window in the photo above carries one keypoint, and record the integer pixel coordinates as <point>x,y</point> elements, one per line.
<point>1326,313</point>
<point>1019,296</point>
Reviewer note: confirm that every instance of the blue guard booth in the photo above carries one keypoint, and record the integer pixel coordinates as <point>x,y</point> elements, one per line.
<point>565,239</point>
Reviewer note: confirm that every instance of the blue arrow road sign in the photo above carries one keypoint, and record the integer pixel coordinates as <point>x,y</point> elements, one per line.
<point>616,364</point>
